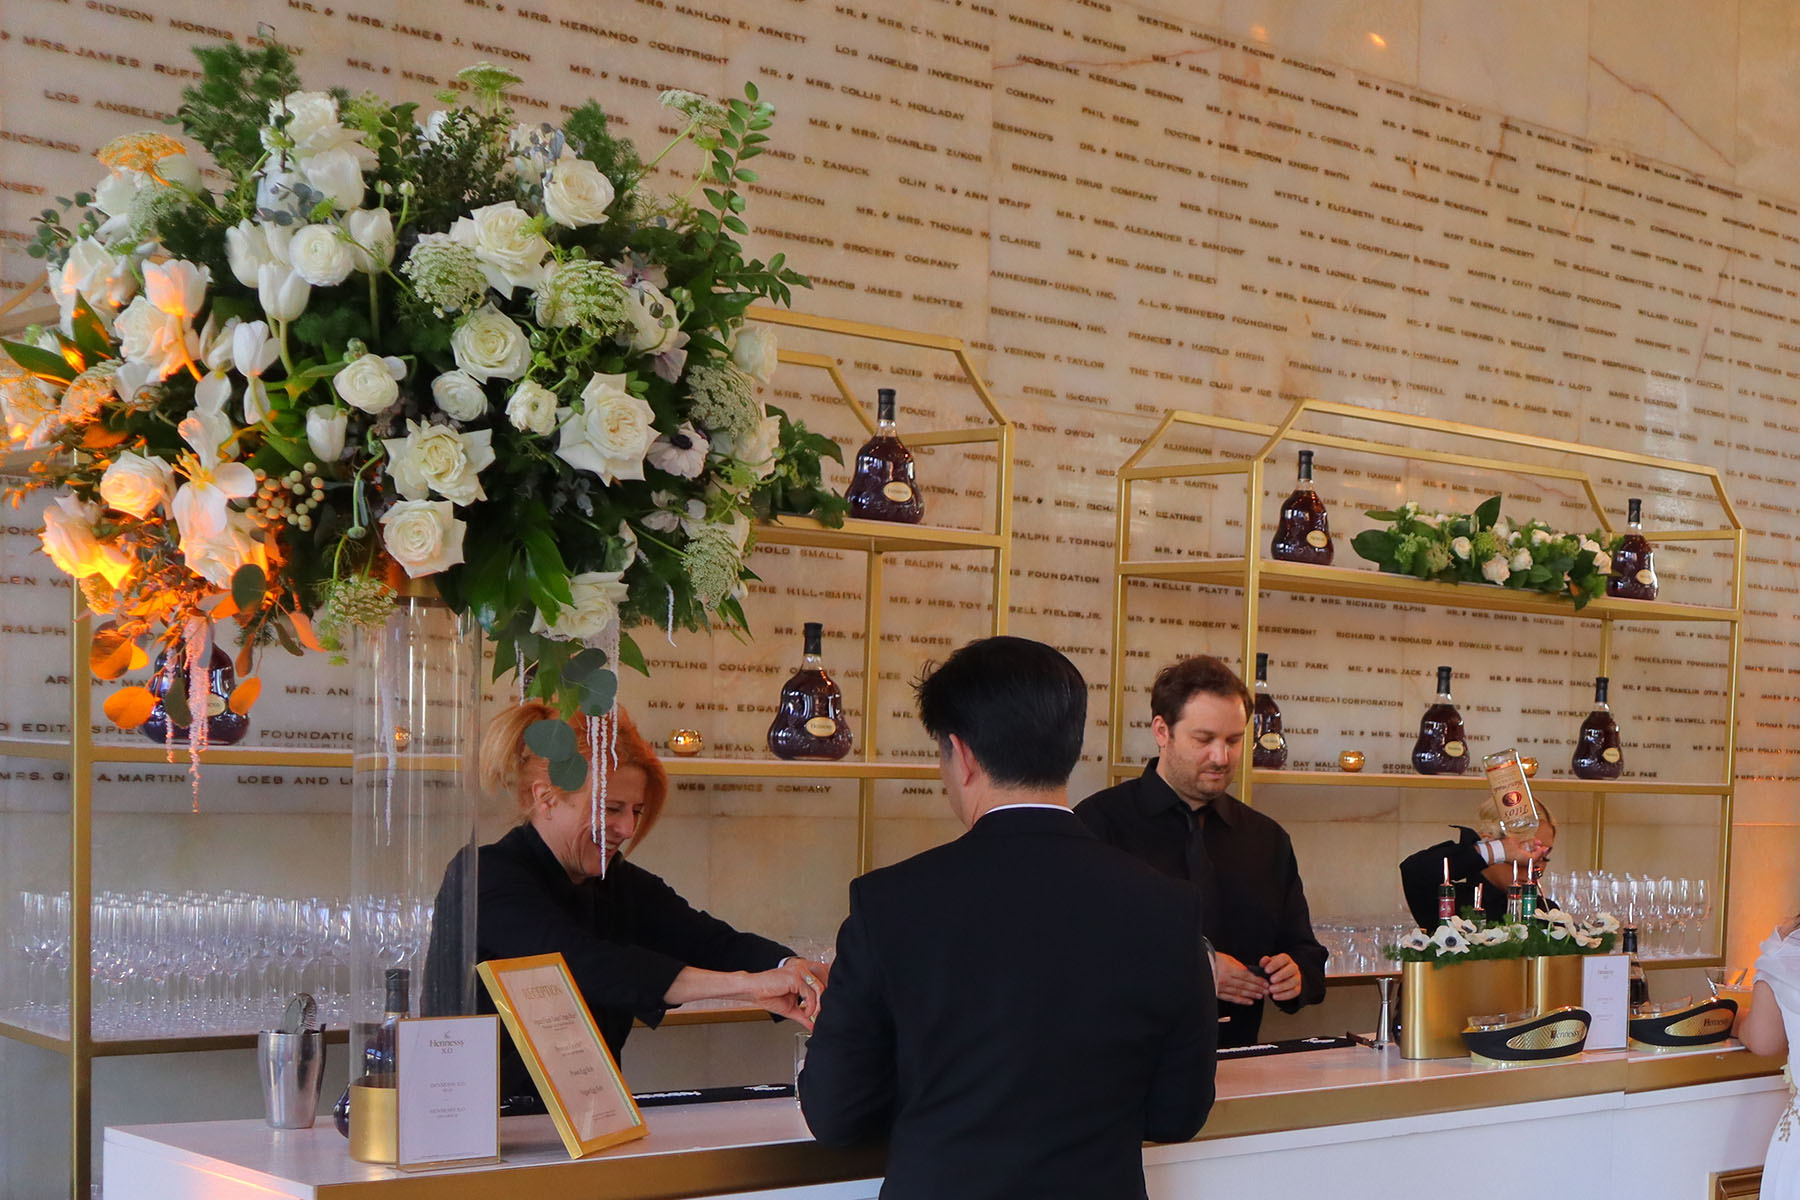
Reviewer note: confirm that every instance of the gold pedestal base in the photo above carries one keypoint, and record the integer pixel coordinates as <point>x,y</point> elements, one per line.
<point>1555,982</point>
<point>1436,1002</point>
<point>374,1124</point>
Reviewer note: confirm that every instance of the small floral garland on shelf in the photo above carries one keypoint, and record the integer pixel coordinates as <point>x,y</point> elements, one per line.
<point>1471,938</point>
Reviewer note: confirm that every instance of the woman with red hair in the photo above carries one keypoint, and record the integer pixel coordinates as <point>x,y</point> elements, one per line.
<point>633,945</point>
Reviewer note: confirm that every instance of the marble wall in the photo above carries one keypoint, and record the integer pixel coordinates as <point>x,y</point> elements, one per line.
<point>1574,220</point>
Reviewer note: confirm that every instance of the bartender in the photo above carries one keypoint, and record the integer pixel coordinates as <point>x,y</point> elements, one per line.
<point>1482,855</point>
<point>1179,817</point>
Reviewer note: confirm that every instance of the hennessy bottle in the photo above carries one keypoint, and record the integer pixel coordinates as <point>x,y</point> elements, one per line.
<point>1442,748</point>
<point>1303,534</point>
<point>883,488</point>
<point>1597,751</point>
<point>1634,566</point>
<point>379,1043</point>
<point>1265,723</point>
<point>223,727</point>
<point>810,722</point>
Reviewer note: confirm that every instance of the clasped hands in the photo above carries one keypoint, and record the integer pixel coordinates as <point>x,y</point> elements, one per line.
<point>791,990</point>
<point>1279,979</point>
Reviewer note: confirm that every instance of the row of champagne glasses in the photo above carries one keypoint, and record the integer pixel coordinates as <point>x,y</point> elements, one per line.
<point>1671,913</point>
<point>1357,945</point>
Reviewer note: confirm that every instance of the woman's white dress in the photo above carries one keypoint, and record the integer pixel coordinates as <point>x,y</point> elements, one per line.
<point>1779,967</point>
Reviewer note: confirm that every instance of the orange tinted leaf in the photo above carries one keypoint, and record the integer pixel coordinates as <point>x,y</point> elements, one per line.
<point>111,653</point>
<point>303,627</point>
<point>98,437</point>
<point>224,607</point>
<point>245,696</point>
<point>129,707</point>
<point>139,659</point>
<point>245,659</point>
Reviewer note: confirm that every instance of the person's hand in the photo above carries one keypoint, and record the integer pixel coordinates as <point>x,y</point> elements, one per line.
<point>1283,976</point>
<point>1235,982</point>
<point>1523,849</point>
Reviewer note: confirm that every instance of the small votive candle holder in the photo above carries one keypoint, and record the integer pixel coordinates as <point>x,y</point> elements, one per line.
<point>1350,760</point>
<point>686,742</point>
<point>1530,766</point>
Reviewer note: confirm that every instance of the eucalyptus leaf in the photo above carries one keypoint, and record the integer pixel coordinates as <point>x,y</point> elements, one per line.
<point>551,739</point>
<point>248,587</point>
<point>175,700</point>
<point>598,692</point>
<point>568,773</point>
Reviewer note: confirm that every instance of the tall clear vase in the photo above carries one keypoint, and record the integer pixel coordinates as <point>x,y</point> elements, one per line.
<point>412,830</point>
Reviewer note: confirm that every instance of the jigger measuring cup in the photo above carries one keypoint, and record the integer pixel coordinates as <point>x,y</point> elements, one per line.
<point>292,1068</point>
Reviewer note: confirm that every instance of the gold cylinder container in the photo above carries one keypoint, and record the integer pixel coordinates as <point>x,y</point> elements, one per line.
<point>374,1124</point>
<point>1555,981</point>
<point>1436,1002</point>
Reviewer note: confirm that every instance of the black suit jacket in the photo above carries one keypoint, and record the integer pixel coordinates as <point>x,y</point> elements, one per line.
<point>1421,873</point>
<point>1017,1012</point>
<point>1245,868</point>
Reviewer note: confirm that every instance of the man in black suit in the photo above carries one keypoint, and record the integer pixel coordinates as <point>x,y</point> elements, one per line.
<point>1018,1010</point>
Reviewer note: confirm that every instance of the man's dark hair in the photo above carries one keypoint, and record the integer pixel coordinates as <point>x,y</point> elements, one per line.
<point>1202,674</point>
<point>1019,705</point>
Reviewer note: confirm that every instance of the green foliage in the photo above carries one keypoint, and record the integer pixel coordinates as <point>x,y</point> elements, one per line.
<point>1466,547</point>
<point>797,484</point>
<point>235,81</point>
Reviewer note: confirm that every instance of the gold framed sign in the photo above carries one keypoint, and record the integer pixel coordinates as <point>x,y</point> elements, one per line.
<point>569,1061</point>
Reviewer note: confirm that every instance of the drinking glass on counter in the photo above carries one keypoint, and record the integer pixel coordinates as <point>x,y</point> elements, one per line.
<point>1358,945</point>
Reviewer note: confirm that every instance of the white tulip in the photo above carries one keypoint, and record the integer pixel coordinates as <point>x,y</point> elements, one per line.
<point>325,428</point>
<point>281,291</point>
<point>253,351</point>
<point>247,249</point>
<point>372,235</point>
<point>176,287</point>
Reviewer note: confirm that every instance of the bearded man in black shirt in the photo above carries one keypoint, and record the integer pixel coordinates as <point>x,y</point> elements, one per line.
<point>1179,817</point>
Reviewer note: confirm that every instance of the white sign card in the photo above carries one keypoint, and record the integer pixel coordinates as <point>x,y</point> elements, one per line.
<point>449,1102</point>
<point>1605,991</point>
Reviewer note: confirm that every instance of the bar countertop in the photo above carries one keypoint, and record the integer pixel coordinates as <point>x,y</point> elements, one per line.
<point>748,1145</point>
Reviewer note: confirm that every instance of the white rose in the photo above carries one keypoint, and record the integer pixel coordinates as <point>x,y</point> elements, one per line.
<point>1603,563</point>
<point>152,337</point>
<point>312,121</point>
<point>532,408</point>
<point>595,596</point>
<point>325,428</point>
<point>423,536</point>
<point>511,253</point>
<point>759,449</point>
<point>247,250</point>
<point>1521,560</point>
<point>217,557</point>
<point>176,287</point>
<point>281,291</point>
<point>610,434</point>
<point>459,396</point>
<point>652,318</point>
<point>337,174</point>
<point>114,194</point>
<point>370,383</point>
<point>179,170</point>
<point>754,351</point>
<point>69,540</point>
<point>137,484</point>
<point>489,345</point>
<point>436,458</point>
<point>1541,537</point>
<point>372,238</point>
<point>1495,569</point>
<point>1461,547</point>
<point>321,256</point>
<point>576,193</point>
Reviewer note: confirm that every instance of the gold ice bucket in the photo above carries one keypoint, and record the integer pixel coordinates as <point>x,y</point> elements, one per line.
<point>1436,1001</point>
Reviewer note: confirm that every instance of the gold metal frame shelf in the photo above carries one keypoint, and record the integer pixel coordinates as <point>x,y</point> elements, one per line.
<point>777,768</point>
<point>879,537</point>
<point>1252,575</point>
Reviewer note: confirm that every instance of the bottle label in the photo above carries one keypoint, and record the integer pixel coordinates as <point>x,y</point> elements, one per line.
<point>1646,577</point>
<point>215,704</point>
<point>898,492</point>
<point>1454,749</point>
<point>1317,539</point>
<point>1270,741</point>
<point>821,727</point>
<point>1611,754</point>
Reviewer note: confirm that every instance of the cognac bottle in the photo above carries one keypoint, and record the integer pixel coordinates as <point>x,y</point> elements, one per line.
<point>379,1065</point>
<point>810,722</point>
<point>1442,748</point>
<point>1304,533</point>
<point>883,488</point>
<point>223,727</point>
<point>1634,566</point>
<point>1597,751</point>
<point>1265,723</point>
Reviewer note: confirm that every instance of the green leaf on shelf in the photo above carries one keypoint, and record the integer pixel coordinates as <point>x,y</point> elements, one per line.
<point>1488,512</point>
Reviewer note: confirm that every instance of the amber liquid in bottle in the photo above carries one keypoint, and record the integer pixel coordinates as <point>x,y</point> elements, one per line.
<point>1443,747</point>
<point>883,488</point>
<point>1598,754</point>
<point>1304,533</point>
<point>1634,566</point>
<point>810,722</point>
<point>223,727</point>
<point>1265,723</point>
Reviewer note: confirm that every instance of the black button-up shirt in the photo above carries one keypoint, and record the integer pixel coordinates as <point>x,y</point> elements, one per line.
<point>1244,865</point>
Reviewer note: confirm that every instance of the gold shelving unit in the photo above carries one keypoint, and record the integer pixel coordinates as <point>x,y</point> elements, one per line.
<point>1253,574</point>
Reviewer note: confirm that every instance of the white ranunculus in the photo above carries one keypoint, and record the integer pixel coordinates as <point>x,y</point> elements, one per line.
<point>510,251</point>
<point>1461,547</point>
<point>137,484</point>
<point>253,351</point>
<point>436,458</point>
<point>176,287</point>
<point>611,432</point>
<point>336,174</point>
<point>247,250</point>
<point>532,408</point>
<point>216,557</point>
<point>312,124</point>
<point>1495,569</point>
<point>325,428</point>
<point>759,449</point>
<point>281,291</point>
<point>576,193</point>
<point>69,540</point>
<point>490,345</point>
<point>321,256</point>
<point>423,536</point>
<point>372,235</point>
<point>1521,560</point>
<point>595,598</point>
<point>459,395</point>
<point>651,317</point>
<point>753,349</point>
<point>149,336</point>
<point>371,383</point>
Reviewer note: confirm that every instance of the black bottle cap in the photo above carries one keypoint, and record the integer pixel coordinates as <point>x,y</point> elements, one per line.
<point>814,634</point>
<point>1600,685</point>
<point>884,404</point>
<point>1262,668</point>
<point>1306,457</point>
<point>1634,511</point>
<point>399,989</point>
<point>1443,680</point>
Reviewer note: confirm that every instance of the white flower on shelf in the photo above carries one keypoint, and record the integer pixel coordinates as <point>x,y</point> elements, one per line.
<point>1495,569</point>
<point>576,193</point>
<point>459,395</point>
<point>1521,560</point>
<point>507,245</point>
<point>370,382</point>
<point>488,345</point>
<point>595,596</point>
<point>1417,940</point>
<point>1450,940</point>
<point>1461,547</point>
<point>137,484</point>
<point>532,408</point>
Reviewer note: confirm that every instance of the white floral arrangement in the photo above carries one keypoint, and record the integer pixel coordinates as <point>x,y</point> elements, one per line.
<point>1465,939</point>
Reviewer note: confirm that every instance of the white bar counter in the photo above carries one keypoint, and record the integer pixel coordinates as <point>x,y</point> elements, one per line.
<point>1346,1122</point>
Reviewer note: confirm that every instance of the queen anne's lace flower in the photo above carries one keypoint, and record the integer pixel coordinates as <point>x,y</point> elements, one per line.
<point>709,114</point>
<point>584,293</point>
<point>724,400</point>
<point>446,274</point>
<point>712,561</point>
